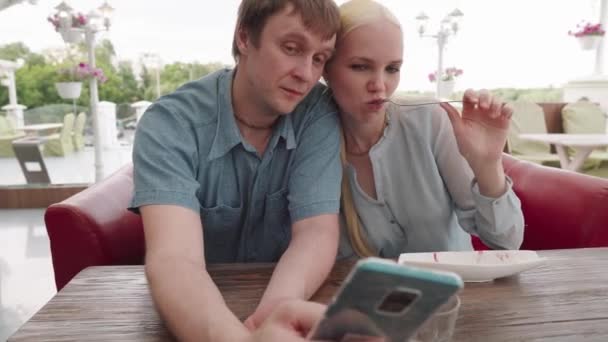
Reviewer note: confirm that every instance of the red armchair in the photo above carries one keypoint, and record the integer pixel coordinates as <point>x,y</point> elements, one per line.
<point>561,209</point>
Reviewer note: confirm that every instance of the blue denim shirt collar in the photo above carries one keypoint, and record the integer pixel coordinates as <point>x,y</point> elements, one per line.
<point>227,134</point>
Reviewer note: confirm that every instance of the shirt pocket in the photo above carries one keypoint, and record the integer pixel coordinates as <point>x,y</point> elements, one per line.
<point>277,222</point>
<point>221,232</point>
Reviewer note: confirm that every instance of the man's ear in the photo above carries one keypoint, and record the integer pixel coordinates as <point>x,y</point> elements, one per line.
<point>242,41</point>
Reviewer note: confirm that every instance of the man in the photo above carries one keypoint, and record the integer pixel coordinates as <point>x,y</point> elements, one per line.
<point>243,166</point>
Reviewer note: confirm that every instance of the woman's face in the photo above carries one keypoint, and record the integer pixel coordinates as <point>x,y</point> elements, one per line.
<point>366,69</point>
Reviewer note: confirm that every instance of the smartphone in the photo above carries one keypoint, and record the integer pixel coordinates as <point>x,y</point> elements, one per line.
<point>380,298</point>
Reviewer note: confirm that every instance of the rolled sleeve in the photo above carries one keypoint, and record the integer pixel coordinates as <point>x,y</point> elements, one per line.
<point>499,220</point>
<point>314,185</point>
<point>164,161</point>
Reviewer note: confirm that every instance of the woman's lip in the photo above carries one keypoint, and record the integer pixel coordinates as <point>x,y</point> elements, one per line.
<point>378,101</point>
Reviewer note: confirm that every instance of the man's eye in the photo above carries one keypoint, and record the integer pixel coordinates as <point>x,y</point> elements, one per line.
<point>290,49</point>
<point>319,59</point>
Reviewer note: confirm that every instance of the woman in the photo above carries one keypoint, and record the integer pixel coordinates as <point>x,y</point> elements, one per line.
<point>421,178</point>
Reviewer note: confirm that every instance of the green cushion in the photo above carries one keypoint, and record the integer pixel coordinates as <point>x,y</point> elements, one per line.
<point>528,117</point>
<point>4,127</point>
<point>584,117</point>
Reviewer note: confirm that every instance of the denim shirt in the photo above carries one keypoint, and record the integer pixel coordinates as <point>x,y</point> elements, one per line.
<point>189,152</point>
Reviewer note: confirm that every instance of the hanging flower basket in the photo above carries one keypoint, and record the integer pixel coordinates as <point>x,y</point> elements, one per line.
<point>588,35</point>
<point>446,88</point>
<point>70,35</point>
<point>589,42</point>
<point>69,90</point>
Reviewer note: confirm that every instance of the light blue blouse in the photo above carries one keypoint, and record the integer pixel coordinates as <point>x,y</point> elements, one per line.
<point>427,197</point>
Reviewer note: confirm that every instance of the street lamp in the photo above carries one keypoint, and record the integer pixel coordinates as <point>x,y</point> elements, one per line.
<point>152,60</point>
<point>448,26</point>
<point>96,21</point>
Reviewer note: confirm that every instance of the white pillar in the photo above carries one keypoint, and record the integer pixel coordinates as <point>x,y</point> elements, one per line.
<point>441,40</point>
<point>140,108</point>
<point>90,41</point>
<point>599,53</point>
<point>13,109</point>
<point>108,134</point>
<point>16,113</point>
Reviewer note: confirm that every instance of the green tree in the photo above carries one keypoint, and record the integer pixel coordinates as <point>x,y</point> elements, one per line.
<point>13,51</point>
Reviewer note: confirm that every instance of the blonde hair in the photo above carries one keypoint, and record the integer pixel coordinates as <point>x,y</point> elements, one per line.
<point>357,13</point>
<point>357,237</point>
<point>353,14</point>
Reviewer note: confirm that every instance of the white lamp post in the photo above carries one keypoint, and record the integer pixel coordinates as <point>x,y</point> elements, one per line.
<point>96,21</point>
<point>7,70</point>
<point>449,26</point>
<point>152,60</point>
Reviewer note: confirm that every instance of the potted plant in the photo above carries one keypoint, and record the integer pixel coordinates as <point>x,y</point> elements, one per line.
<point>69,79</point>
<point>69,26</point>
<point>588,35</point>
<point>448,80</point>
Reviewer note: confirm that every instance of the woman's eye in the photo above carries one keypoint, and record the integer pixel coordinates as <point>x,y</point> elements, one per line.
<point>393,69</point>
<point>359,67</point>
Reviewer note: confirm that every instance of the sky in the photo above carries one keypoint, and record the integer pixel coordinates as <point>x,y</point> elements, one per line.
<point>514,43</point>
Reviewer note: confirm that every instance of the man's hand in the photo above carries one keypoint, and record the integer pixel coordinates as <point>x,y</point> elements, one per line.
<point>298,274</point>
<point>290,321</point>
<point>262,312</point>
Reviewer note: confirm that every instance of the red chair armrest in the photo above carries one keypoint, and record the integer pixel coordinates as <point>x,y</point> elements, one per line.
<point>94,227</point>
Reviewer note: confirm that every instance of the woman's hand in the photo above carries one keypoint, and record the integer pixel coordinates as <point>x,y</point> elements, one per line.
<point>481,132</point>
<point>481,135</point>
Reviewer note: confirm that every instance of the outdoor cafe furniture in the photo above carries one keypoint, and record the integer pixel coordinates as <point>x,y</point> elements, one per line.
<point>41,130</point>
<point>581,145</point>
<point>27,152</point>
<point>78,133</point>
<point>61,144</point>
<point>529,118</point>
<point>584,117</point>
<point>8,134</point>
<point>531,122</point>
<point>561,209</point>
<point>564,299</point>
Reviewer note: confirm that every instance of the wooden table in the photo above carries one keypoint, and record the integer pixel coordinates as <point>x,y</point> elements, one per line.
<point>41,129</point>
<point>565,299</point>
<point>583,144</point>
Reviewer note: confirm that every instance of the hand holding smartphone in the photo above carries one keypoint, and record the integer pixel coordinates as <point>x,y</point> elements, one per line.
<point>386,300</point>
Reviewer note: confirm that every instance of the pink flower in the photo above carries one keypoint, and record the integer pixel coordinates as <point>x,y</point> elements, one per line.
<point>448,74</point>
<point>587,29</point>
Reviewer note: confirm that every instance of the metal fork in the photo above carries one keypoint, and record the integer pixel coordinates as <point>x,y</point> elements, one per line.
<point>421,104</point>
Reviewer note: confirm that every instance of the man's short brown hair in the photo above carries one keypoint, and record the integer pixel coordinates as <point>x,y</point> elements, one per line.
<point>320,16</point>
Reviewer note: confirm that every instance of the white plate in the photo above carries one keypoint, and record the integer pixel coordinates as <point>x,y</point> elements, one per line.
<point>476,266</point>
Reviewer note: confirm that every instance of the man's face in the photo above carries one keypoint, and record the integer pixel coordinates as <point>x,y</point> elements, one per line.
<point>286,64</point>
